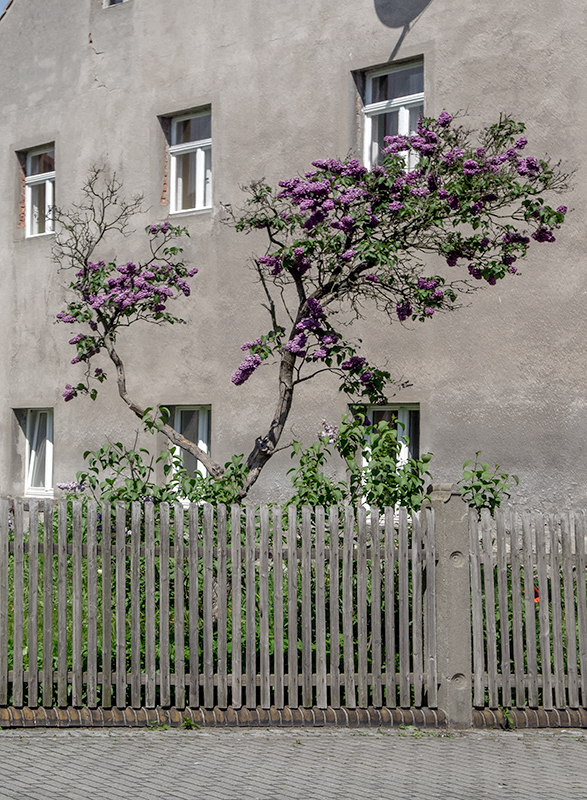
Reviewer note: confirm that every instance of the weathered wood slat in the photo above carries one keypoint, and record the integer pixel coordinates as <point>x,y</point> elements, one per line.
<point>92,605</point>
<point>222,636</point>
<point>135,606</point>
<point>18,607</point>
<point>517,626</point>
<point>362,687</point>
<point>432,658</point>
<point>250,615</point>
<point>350,700</point>
<point>292,608</point>
<point>193,605</point>
<point>76,604</point>
<point>33,610</point>
<point>179,604</point>
<point>557,623</point>
<point>334,607</point>
<point>307,700</point>
<point>164,667</point>
<point>404,611</point>
<point>4,536</point>
<point>62,700</point>
<point>390,605</point>
<point>236,618</point>
<point>476,612</point>
<point>570,615</point>
<point>106,561</point>
<point>278,632</point>
<point>530,612</point>
<point>502,591</point>
<point>150,622</point>
<point>376,606</point>
<point>582,602</point>
<point>264,609</point>
<point>543,613</point>
<point>208,601</point>
<point>416,613</point>
<point>320,601</point>
<point>489,590</point>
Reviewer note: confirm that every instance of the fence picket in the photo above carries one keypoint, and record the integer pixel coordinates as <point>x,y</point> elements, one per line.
<point>557,624</point>
<point>92,605</point>
<point>236,618</point>
<point>193,605</point>
<point>517,627</point>
<point>347,609</point>
<point>106,526</point>
<point>502,592</point>
<point>18,606</point>
<point>62,604</point>
<point>362,683</point>
<point>292,608</point>
<point>278,651</point>
<point>416,615</point>
<point>334,607</point>
<point>33,613</point>
<point>543,613</point>
<point>582,602</point>
<point>306,607</point>
<point>135,606</point>
<point>376,607</point>
<point>432,665</point>
<point>120,605</point>
<point>4,549</point>
<point>320,601</point>
<point>491,628</point>
<point>264,608</point>
<point>250,617</point>
<point>164,668</point>
<point>476,612</point>
<point>570,616</point>
<point>530,610</point>
<point>76,604</point>
<point>404,611</point>
<point>178,604</point>
<point>150,623</point>
<point>208,601</point>
<point>221,627</point>
<point>390,675</point>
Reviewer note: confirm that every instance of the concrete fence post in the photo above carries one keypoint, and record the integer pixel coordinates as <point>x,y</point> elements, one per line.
<point>453,605</point>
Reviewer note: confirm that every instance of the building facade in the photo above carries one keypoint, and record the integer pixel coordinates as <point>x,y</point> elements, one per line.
<point>187,102</point>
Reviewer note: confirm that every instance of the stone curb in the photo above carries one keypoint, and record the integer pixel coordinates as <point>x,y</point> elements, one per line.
<point>70,717</point>
<point>530,718</point>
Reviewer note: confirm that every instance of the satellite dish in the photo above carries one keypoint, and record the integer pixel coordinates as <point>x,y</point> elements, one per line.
<point>399,13</point>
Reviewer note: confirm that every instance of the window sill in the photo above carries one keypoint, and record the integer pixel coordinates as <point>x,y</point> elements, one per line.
<point>40,494</point>
<point>39,235</point>
<point>190,212</point>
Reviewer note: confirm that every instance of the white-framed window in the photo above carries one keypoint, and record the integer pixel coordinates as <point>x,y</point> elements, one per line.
<point>193,422</point>
<point>394,102</point>
<point>39,190</point>
<point>406,417</point>
<point>113,2</point>
<point>39,452</point>
<point>191,162</point>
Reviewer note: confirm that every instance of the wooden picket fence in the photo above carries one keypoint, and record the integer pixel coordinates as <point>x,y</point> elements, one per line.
<point>205,607</point>
<point>529,610</point>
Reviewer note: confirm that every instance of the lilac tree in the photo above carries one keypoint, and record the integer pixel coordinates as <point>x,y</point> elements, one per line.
<point>342,237</point>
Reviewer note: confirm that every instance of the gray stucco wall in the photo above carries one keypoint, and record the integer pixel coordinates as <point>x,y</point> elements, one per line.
<point>504,375</point>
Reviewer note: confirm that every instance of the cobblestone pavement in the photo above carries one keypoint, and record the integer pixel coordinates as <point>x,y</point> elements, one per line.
<point>277,764</point>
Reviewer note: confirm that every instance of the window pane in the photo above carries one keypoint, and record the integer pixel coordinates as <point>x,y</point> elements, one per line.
<point>414,433</point>
<point>186,181</point>
<point>399,83</point>
<point>208,177</point>
<point>383,125</point>
<point>193,129</point>
<point>188,426</point>
<point>38,208</point>
<point>42,162</point>
<point>416,112</point>
<point>39,450</point>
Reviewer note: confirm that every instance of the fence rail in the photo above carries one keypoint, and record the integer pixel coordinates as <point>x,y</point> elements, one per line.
<point>529,610</point>
<point>206,607</point>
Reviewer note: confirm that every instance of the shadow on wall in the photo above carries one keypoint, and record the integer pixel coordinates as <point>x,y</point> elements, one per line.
<point>400,14</point>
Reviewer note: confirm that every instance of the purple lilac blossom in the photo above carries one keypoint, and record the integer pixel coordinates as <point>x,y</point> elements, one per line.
<point>395,206</point>
<point>429,311</point>
<point>69,393</point>
<point>330,338</point>
<point>403,311</point>
<point>297,344</point>
<point>248,345</point>
<point>246,369</point>
<point>366,377</point>
<point>372,278</point>
<point>521,143</point>
<point>444,119</point>
<point>315,308</point>
<point>322,352</point>
<point>354,363</point>
<point>543,235</point>
<point>562,209</point>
